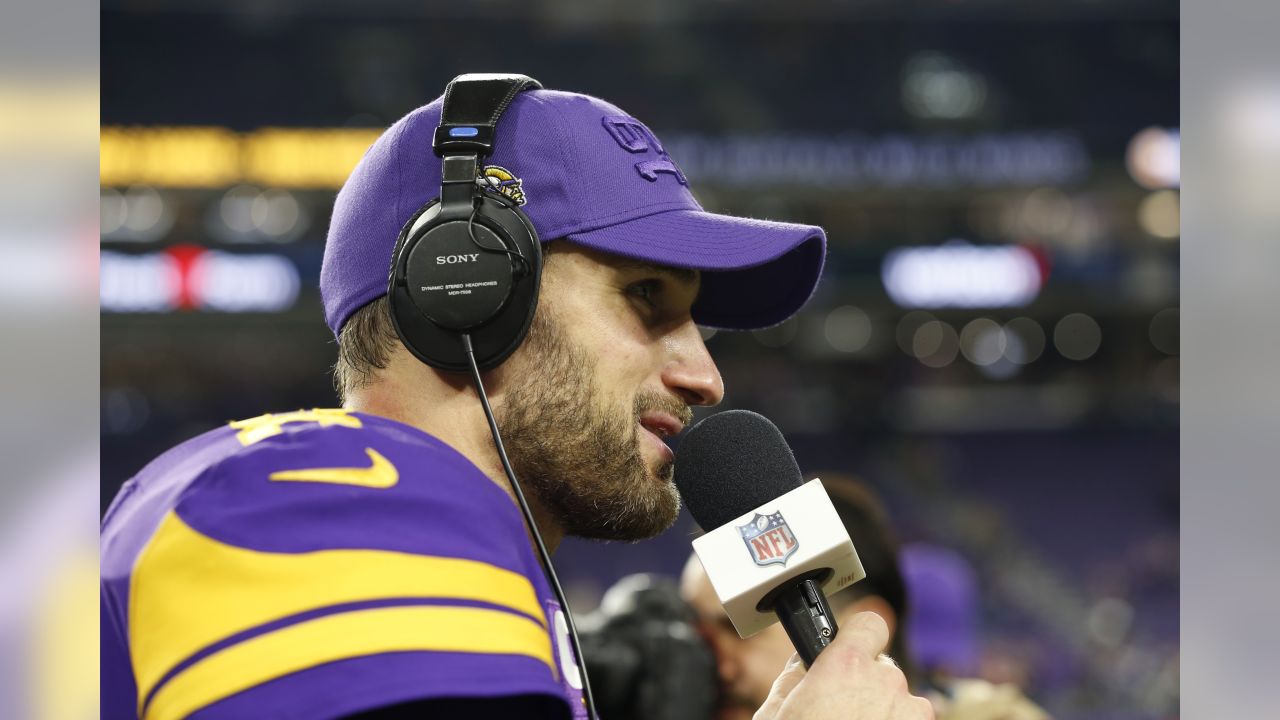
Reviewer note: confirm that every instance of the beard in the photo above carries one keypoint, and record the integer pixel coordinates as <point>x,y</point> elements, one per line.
<point>578,456</point>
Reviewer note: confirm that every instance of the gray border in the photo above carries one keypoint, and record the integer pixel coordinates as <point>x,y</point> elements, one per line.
<point>1230,354</point>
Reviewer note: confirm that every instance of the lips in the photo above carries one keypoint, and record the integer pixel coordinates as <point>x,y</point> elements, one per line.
<point>659,426</point>
<point>662,424</point>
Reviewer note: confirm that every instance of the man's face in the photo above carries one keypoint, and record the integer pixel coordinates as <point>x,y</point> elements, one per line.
<point>746,667</point>
<point>611,366</point>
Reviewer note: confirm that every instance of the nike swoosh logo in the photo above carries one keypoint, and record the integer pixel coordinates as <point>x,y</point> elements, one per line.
<point>381,474</point>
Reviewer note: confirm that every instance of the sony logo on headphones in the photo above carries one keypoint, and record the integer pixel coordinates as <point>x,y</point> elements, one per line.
<point>451,259</point>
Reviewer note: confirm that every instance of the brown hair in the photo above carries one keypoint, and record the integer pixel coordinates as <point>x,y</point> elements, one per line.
<point>365,344</point>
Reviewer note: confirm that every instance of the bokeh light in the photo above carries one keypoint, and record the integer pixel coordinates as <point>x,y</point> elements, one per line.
<point>905,333</point>
<point>146,209</point>
<point>958,274</point>
<point>246,214</point>
<point>935,344</point>
<point>111,211</point>
<point>1046,212</point>
<point>1154,158</point>
<point>139,214</point>
<point>236,211</point>
<point>982,341</point>
<point>1077,336</point>
<point>1025,340</point>
<point>847,329</point>
<point>935,85</point>
<point>1159,216</point>
<point>276,214</point>
<point>778,335</point>
<point>1003,368</point>
<point>1109,621</point>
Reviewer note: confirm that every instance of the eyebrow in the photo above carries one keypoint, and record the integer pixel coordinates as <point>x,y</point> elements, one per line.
<point>684,275</point>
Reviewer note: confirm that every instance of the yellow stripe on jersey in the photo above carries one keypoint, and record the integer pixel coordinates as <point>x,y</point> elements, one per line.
<point>189,591</point>
<point>346,635</point>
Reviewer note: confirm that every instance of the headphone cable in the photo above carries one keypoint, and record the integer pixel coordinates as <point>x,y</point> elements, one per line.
<point>533,527</point>
<point>513,254</point>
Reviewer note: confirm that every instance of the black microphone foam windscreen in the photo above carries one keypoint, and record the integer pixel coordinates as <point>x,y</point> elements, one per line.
<point>731,463</point>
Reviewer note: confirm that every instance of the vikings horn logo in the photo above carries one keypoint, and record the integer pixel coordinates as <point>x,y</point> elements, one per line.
<point>500,180</point>
<point>769,539</point>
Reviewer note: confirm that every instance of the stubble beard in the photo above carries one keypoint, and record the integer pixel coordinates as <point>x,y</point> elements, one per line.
<point>578,457</point>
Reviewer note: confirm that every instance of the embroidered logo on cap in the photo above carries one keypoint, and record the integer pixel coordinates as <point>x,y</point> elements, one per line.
<point>632,136</point>
<point>502,181</point>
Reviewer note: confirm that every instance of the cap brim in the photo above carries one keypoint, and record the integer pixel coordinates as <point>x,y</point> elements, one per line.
<point>755,273</point>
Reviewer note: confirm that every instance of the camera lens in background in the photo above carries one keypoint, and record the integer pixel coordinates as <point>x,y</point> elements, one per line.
<point>645,656</point>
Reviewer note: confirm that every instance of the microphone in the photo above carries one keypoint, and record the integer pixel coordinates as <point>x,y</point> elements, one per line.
<point>775,546</point>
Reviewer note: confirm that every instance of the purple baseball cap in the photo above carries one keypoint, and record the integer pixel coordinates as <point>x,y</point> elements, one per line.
<point>586,172</point>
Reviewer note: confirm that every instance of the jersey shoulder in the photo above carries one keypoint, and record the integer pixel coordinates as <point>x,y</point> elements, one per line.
<point>327,542</point>
<point>323,480</point>
<point>311,480</point>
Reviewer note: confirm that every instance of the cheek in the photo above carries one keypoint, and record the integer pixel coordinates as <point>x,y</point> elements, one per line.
<point>765,655</point>
<point>621,356</point>
<point>621,351</point>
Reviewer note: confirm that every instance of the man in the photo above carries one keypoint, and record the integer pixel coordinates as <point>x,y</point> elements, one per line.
<point>370,561</point>
<point>746,665</point>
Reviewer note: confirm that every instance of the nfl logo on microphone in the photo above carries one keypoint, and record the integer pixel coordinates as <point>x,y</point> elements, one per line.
<point>769,539</point>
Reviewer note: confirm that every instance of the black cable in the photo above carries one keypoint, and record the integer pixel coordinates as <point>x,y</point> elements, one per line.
<point>533,529</point>
<point>471,230</point>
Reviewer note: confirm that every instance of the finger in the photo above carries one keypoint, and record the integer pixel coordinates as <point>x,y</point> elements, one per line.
<point>920,708</point>
<point>792,674</point>
<point>890,676</point>
<point>866,633</point>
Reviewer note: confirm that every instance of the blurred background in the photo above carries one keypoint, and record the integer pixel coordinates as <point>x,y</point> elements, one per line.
<point>995,344</point>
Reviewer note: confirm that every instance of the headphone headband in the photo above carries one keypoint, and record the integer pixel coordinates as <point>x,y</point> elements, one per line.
<point>473,103</point>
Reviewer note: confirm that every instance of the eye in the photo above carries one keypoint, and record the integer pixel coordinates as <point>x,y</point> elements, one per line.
<point>646,291</point>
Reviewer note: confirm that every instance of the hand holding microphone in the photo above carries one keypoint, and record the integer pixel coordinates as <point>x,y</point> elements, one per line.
<point>774,548</point>
<point>851,681</point>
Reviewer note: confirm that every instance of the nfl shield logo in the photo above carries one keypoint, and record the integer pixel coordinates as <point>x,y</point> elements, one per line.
<point>769,539</point>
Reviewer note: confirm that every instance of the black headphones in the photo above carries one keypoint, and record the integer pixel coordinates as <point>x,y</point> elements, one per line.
<point>469,262</point>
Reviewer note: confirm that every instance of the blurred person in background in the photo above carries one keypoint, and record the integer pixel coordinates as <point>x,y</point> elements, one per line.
<point>745,667</point>
<point>370,561</point>
<point>943,622</point>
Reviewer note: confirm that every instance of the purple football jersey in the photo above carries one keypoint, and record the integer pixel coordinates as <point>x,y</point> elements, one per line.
<point>317,564</point>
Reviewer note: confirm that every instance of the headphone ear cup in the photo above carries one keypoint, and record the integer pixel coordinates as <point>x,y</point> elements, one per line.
<point>498,315</point>
<point>413,227</point>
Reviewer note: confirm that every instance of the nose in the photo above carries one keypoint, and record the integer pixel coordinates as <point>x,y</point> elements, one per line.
<point>689,371</point>
<point>722,648</point>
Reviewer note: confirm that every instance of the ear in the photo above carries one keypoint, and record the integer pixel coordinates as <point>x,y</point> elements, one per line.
<point>870,603</point>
